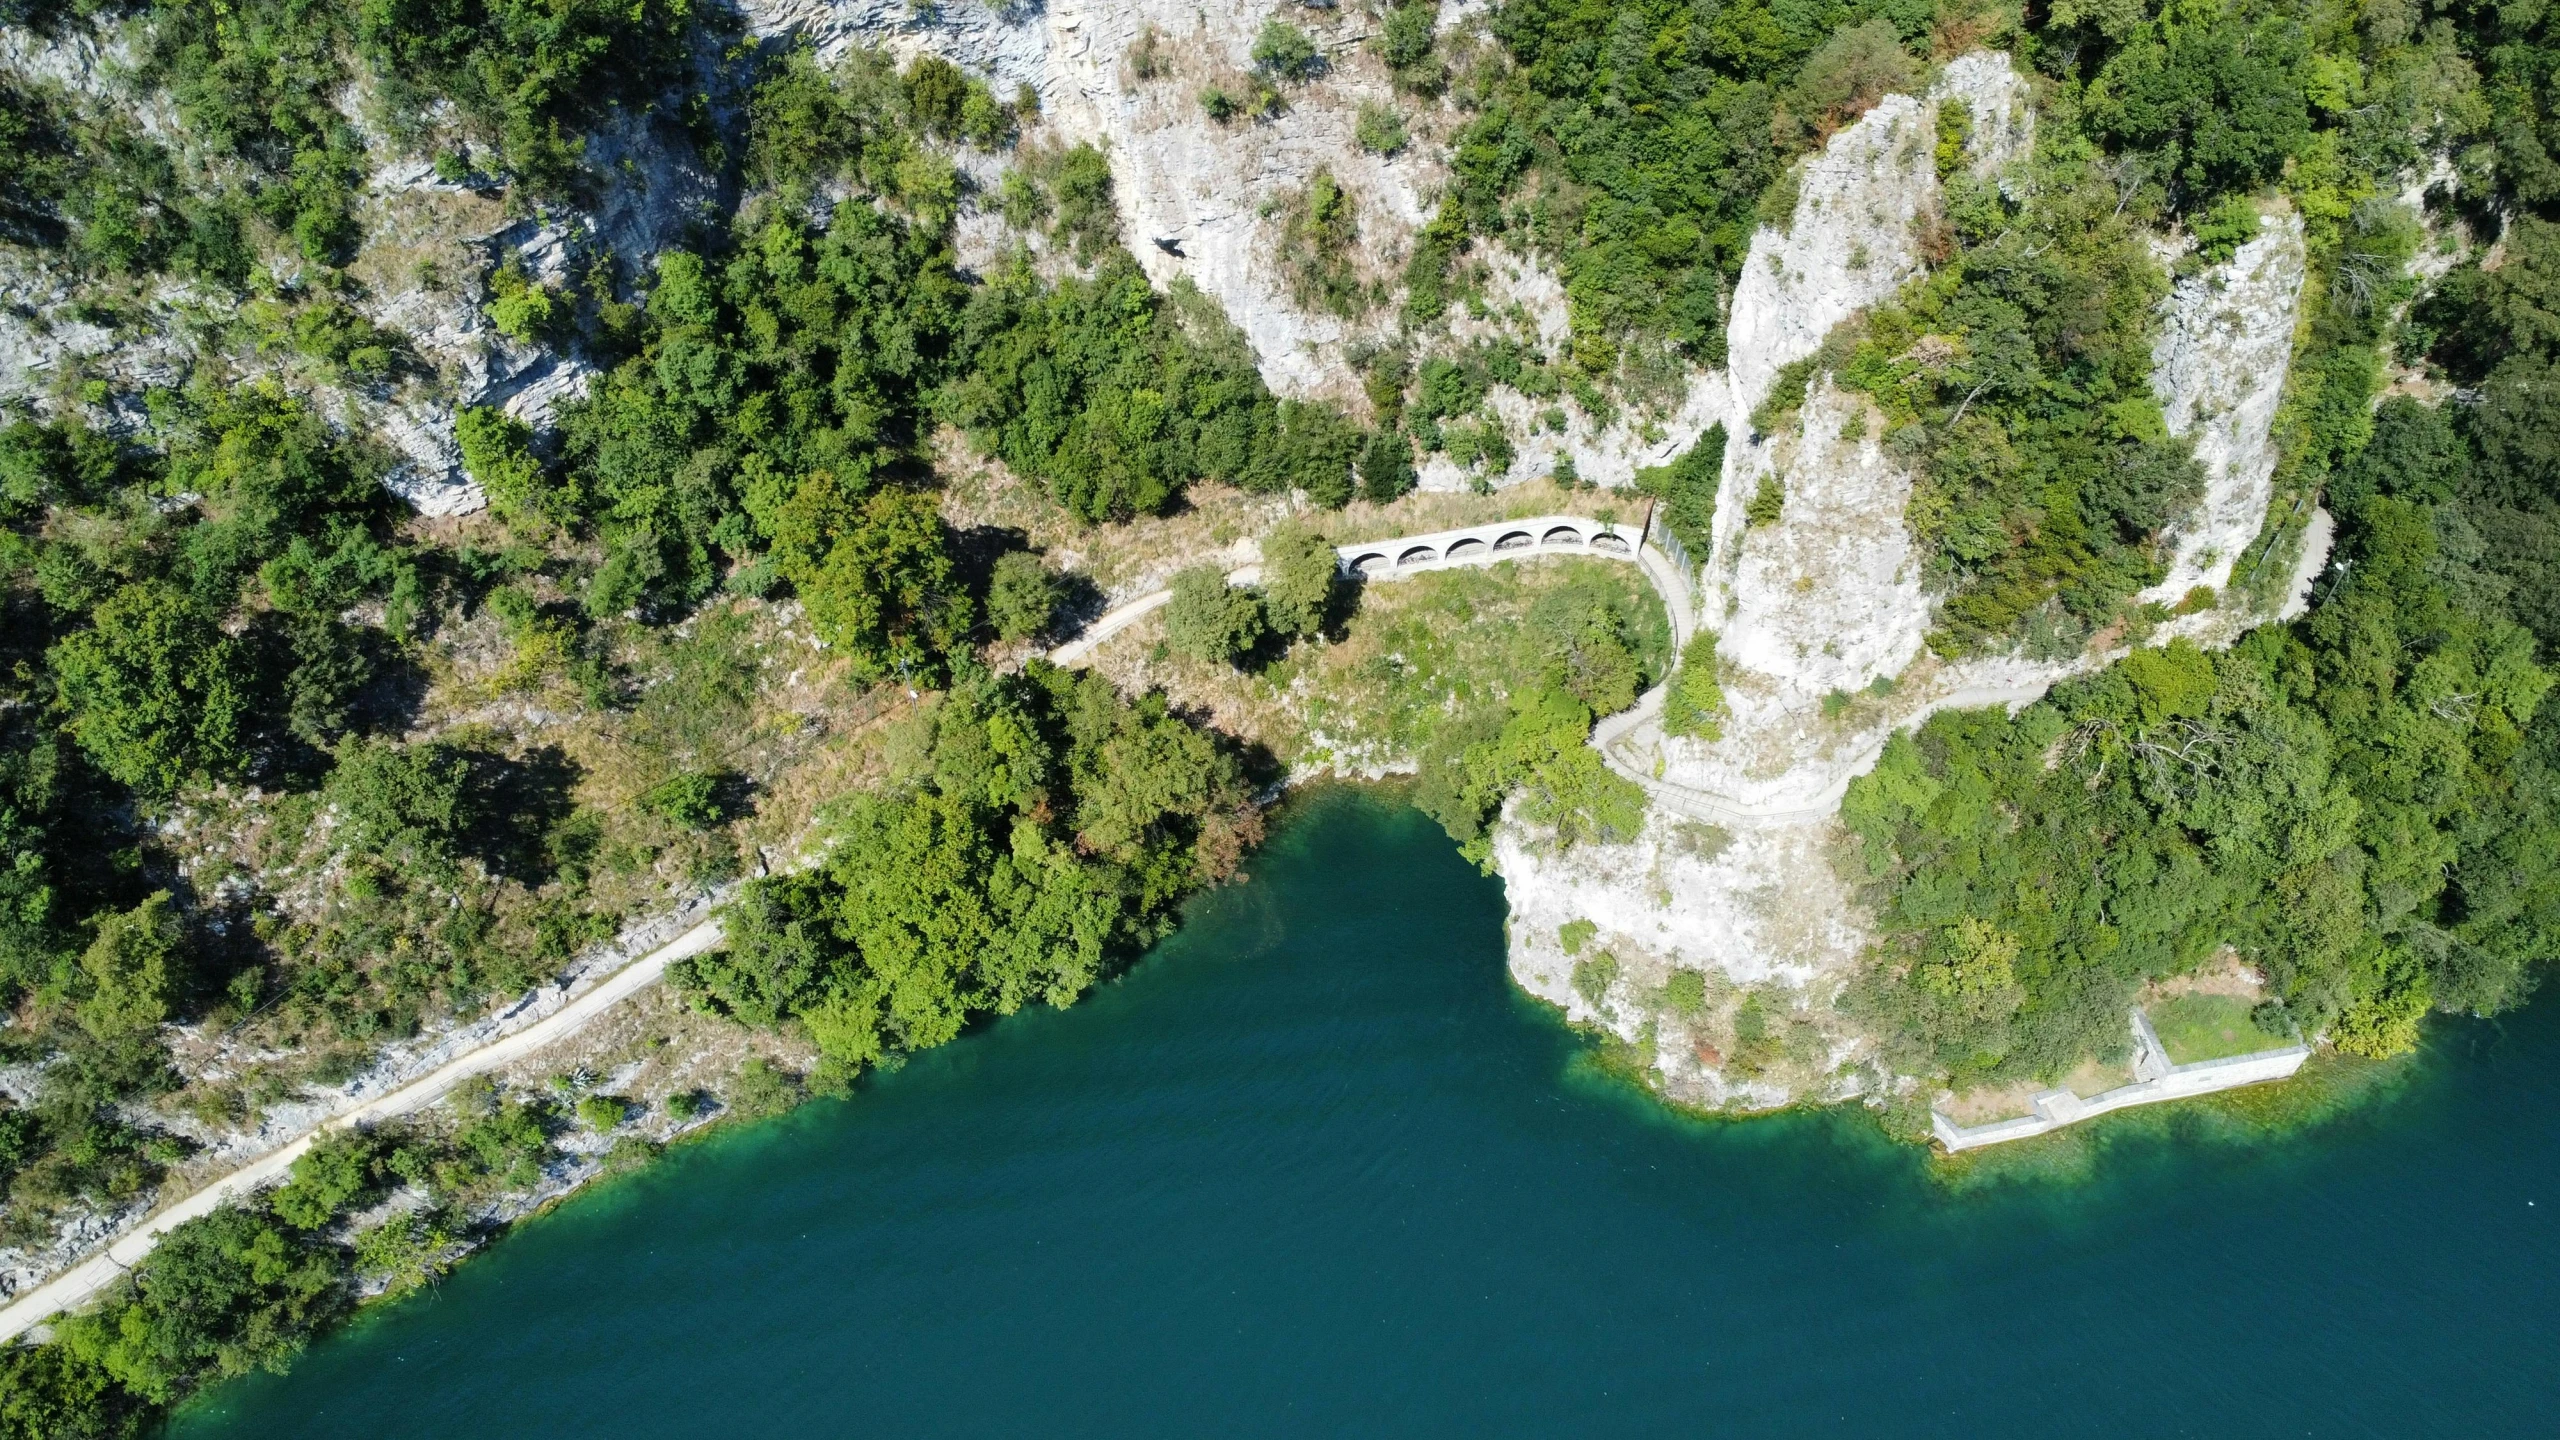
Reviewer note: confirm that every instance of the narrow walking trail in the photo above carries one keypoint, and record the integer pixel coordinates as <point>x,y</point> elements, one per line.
<point>1391,559</point>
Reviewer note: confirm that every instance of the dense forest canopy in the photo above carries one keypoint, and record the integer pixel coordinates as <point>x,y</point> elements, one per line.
<point>1038,827</point>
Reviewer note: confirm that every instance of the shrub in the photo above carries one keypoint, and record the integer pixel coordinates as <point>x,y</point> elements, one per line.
<point>1685,994</point>
<point>1209,619</point>
<point>1574,934</point>
<point>1380,129</point>
<point>522,308</point>
<point>1146,57</point>
<point>1320,237</point>
<point>1767,503</point>
<point>690,798</point>
<point>1285,52</point>
<point>1405,44</point>
<point>1088,218</point>
<point>404,1253</point>
<point>602,1113</point>
<point>762,1088</point>
<point>1386,466</point>
<point>1687,487</point>
<point>1694,705</point>
<point>1593,977</point>
<point>2232,222</point>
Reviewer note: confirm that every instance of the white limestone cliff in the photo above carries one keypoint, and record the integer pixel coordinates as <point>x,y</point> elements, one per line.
<point>1863,206</point>
<point>2226,337</point>
<point>1821,617</point>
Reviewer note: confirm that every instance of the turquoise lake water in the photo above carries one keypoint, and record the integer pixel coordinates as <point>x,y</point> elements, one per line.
<point>1315,1168</point>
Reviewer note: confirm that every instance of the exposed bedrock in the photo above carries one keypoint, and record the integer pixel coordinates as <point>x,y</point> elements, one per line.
<point>1821,615</point>
<point>2226,338</point>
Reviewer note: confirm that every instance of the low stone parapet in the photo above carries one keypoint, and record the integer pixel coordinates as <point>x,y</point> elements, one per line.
<point>2054,1109</point>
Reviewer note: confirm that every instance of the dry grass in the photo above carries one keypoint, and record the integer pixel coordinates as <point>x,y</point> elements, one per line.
<point>1986,1103</point>
<point>654,1045</point>
<point>2225,974</point>
<point>1983,1104</point>
<point>1132,558</point>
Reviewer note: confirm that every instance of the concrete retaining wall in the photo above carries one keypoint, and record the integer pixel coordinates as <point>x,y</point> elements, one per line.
<point>2157,1080</point>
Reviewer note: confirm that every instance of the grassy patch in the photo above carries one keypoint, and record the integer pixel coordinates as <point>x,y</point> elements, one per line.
<point>2194,1028</point>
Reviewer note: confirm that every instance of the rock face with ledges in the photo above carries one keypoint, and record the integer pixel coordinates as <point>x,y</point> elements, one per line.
<point>1828,596</point>
<point>1856,237</point>
<point>1821,614</point>
<point>2226,338</point>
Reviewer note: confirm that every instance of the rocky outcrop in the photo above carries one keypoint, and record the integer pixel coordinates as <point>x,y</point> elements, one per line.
<point>2226,338</point>
<point>1007,43</point>
<point>1821,615</point>
<point>1202,201</point>
<point>1827,596</point>
<point>1760,909</point>
<point>1857,235</point>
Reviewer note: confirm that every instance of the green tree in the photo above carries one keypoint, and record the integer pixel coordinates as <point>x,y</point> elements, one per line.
<point>221,1296</point>
<point>133,968</point>
<point>48,1393</point>
<point>1386,466</point>
<point>1209,619</point>
<point>156,691</point>
<point>497,452</point>
<point>1038,826</point>
<point>1847,74</point>
<point>777,954</point>
<point>876,573</point>
<point>408,804</point>
<point>1300,576</point>
<point>1022,596</point>
<point>328,1179</point>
